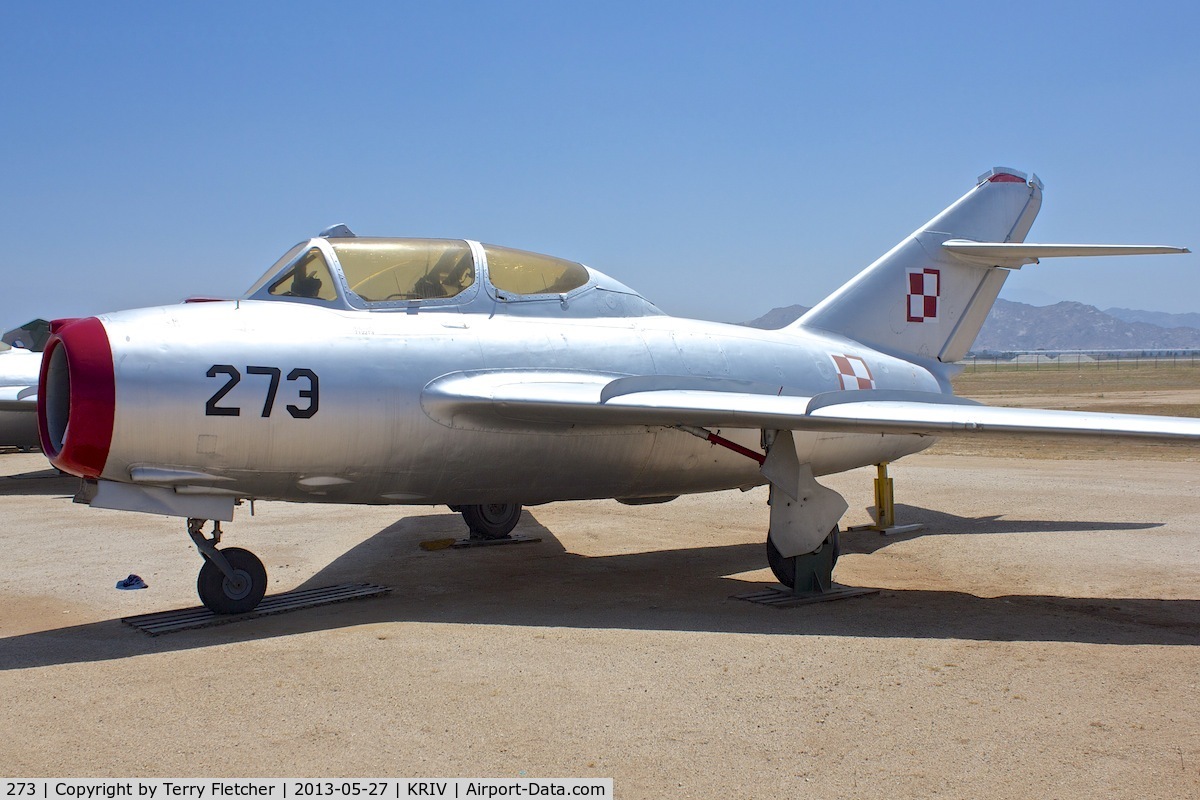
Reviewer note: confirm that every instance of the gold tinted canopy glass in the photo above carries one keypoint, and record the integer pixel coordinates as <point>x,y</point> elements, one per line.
<point>310,277</point>
<point>521,272</point>
<point>379,270</point>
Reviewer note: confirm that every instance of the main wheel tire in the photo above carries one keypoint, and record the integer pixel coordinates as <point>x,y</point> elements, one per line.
<point>223,596</point>
<point>492,520</point>
<point>785,568</point>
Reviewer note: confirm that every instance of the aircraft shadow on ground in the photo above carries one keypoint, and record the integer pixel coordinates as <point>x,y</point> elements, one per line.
<point>42,482</point>
<point>544,585</point>
<point>940,523</point>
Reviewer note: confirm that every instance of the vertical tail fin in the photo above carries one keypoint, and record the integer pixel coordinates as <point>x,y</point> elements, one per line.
<point>920,298</point>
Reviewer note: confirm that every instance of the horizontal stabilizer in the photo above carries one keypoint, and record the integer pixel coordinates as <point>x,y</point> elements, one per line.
<point>518,398</point>
<point>1014,255</point>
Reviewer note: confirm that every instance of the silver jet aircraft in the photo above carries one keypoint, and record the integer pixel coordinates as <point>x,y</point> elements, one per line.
<point>18,397</point>
<point>20,365</point>
<point>427,371</point>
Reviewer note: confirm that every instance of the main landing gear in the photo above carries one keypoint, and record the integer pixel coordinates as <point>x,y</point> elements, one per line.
<point>810,573</point>
<point>802,542</point>
<point>490,521</point>
<point>232,580</point>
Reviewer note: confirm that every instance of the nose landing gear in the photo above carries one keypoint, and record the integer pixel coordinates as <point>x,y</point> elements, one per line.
<point>233,580</point>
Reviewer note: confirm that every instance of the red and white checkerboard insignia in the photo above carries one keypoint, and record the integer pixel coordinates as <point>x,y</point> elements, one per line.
<point>924,289</point>
<point>853,372</point>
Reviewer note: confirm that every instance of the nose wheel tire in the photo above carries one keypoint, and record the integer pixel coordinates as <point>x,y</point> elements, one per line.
<point>491,520</point>
<point>221,595</point>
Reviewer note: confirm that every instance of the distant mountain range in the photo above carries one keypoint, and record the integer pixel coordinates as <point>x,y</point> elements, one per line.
<point>1062,326</point>
<point>777,318</point>
<point>1159,318</point>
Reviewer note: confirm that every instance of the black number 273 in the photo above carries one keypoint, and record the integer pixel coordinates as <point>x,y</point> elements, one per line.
<point>311,394</point>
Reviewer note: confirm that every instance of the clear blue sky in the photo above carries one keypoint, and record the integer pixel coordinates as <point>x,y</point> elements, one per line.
<point>721,158</point>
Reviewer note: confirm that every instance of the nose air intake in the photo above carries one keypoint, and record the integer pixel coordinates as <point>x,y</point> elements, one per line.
<point>77,397</point>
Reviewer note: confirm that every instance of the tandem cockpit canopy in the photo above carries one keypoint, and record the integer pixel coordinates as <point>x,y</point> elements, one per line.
<point>342,270</point>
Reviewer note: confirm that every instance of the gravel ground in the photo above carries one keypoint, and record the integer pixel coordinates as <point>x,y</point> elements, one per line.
<point>1040,638</point>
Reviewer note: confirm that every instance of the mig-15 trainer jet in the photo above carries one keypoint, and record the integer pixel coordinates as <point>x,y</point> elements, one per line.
<point>431,371</point>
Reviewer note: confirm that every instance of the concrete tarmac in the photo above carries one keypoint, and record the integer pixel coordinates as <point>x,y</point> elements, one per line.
<point>1040,638</point>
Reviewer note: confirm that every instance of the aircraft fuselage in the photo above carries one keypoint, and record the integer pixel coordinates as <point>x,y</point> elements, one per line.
<point>295,402</point>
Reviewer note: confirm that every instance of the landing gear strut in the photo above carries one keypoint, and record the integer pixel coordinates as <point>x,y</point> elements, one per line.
<point>801,511</point>
<point>233,580</point>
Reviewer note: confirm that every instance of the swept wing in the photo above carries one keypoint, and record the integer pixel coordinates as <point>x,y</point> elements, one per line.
<point>515,398</point>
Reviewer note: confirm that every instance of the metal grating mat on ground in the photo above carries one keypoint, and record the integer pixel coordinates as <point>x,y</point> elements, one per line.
<point>783,598</point>
<point>516,539</point>
<point>200,617</point>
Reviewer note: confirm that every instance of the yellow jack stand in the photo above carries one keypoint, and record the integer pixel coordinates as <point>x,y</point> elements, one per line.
<point>885,507</point>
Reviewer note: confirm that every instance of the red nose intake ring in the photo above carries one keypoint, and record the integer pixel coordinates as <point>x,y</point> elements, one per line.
<point>77,397</point>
